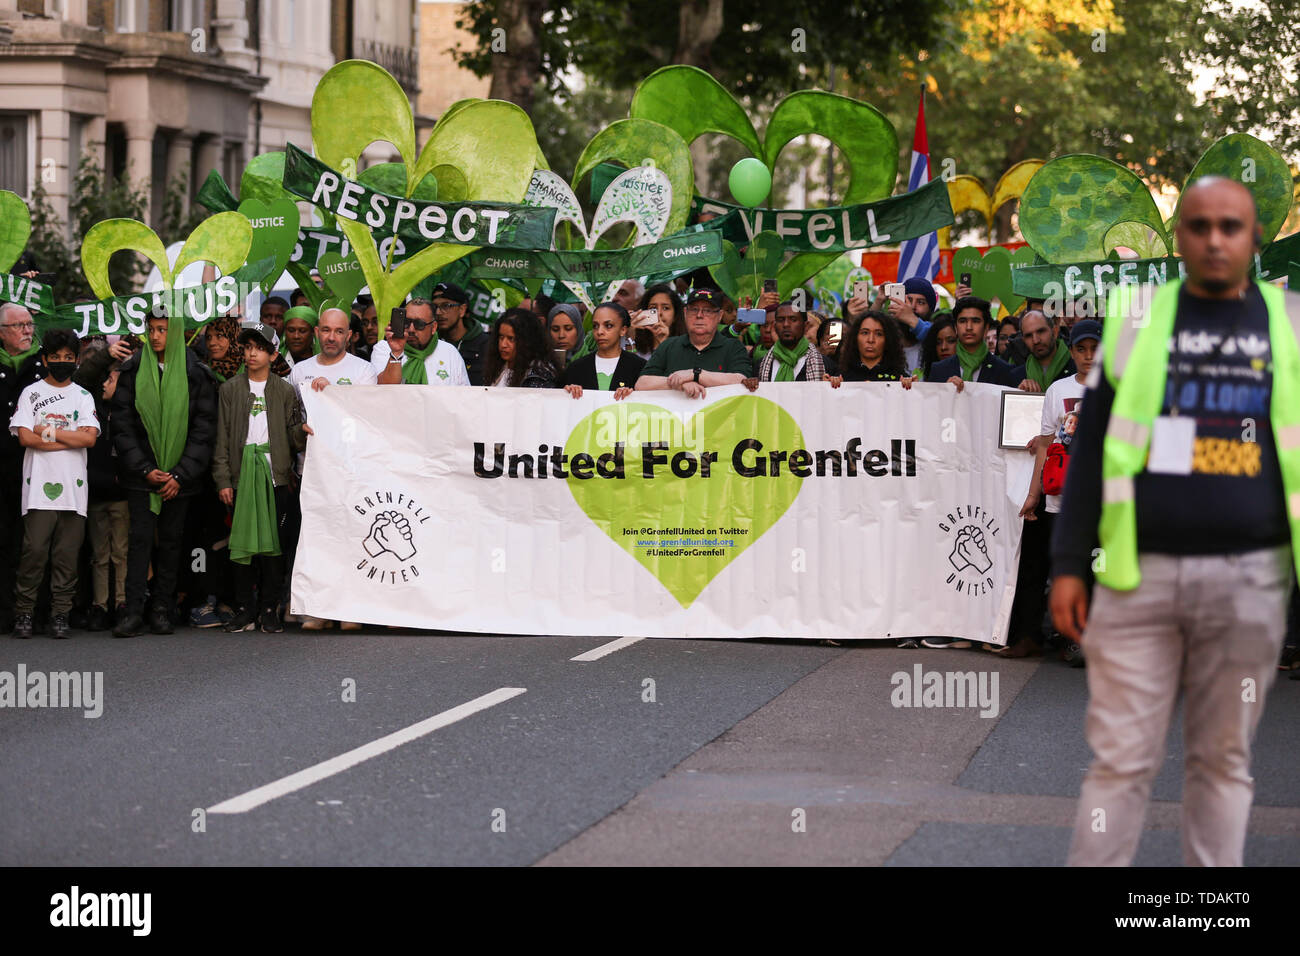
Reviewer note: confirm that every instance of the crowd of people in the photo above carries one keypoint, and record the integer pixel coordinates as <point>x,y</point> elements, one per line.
<point>184,457</point>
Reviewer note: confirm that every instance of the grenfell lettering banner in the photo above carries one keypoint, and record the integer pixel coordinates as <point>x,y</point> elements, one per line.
<point>836,228</point>
<point>503,225</point>
<point>799,510</point>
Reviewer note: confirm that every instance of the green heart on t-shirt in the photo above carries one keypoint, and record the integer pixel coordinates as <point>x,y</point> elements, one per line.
<point>80,482</point>
<point>52,489</point>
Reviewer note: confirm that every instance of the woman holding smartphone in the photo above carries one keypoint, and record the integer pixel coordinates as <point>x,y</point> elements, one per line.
<point>666,306</point>
<point>609,368</point>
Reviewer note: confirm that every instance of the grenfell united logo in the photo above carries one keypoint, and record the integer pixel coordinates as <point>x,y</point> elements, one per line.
<point>971,532</point>
<point>390,537</point>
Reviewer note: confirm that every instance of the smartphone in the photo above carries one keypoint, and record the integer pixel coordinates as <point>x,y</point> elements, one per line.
<point>769,285</point>
<point>862,289</point>
<point>895,290</point>
<point>560,356</point>
<point>398,322</point>
<point>46,278</point>
<point>964,279</point>
<point>751,316</point>
<point>835,333</point>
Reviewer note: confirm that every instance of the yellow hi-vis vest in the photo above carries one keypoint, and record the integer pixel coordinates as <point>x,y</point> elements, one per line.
<point>1135,352</point>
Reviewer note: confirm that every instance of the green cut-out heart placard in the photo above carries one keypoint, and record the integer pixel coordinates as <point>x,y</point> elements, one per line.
<point>275,233</point>
<point>15,228</point>
<point>1255,165</point>
<point>1072,202</point>
<point>343,278</point>
<point>725,499</point>
<point>223,240</point>
<point>631,142</point>
<point>990,273</point>
<point>693,103</point>
<point>479,150</point>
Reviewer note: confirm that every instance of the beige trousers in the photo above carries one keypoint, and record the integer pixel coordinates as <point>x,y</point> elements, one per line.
<point>1210,626</point>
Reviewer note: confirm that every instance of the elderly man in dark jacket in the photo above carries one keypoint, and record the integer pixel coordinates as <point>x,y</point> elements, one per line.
<point>142,478</point>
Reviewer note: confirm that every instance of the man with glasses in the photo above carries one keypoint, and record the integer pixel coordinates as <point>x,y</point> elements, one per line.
<point>457,326</point>
<point>20,366</point>
<point>419,356</point>
<point>702,357</point>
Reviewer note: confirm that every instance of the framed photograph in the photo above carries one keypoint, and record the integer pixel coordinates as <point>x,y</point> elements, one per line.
<point>1022,414</point>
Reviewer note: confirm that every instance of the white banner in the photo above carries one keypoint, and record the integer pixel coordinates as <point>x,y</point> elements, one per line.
<point>800,510</point>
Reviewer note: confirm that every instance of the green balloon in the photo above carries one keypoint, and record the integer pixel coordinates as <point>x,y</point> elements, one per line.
<point>750,181</point>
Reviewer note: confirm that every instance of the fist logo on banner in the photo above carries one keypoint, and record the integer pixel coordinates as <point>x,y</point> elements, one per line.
<point>391,521</point>
<point>970,551</point>
<point>974,530</point>
<point>391,532</point>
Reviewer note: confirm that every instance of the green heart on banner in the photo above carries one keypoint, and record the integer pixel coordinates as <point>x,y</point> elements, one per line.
<point>740,277</point>
<point>479,150</point>
<point>725,499</point>
<point>990,273</point>
<point>693,103</point>
<point>343,278</point>
<point>52,489</point>
<point>275,233</point>
<point>15,228</point>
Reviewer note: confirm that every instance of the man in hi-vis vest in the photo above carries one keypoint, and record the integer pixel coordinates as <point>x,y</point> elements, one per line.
<point>1182,496</point>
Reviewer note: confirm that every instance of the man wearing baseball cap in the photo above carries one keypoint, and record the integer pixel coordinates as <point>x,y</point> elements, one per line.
<point>258,433</point>
<point>457,326</point>
<point>1057,428</point>
<point>702,357</point>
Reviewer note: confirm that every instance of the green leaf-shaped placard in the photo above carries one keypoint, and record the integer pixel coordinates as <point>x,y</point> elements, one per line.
<point>692,102</point>
<point>223,240</point>
<point>481,150</point>
<point>391,178</point>
<point>630,142</point>
<point>15,228</point>
<point>1259,168</point>
<point>1136,236</point>
<point>1072,202</point>
<point>113,235</point>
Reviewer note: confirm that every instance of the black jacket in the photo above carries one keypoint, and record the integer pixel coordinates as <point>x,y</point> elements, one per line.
<point>472,345</point>
<point>583,371</point>
<point>994,371</point>
<point>135,456</point>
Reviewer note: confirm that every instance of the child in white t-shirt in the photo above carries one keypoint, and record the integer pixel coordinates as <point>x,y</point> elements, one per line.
<point>55,422</point>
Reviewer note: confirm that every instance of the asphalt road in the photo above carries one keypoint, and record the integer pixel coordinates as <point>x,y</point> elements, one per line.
<point>570,763</point>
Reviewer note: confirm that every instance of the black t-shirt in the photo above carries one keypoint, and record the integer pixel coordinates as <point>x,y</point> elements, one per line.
<point>857,372</point>
<point>1233,500</point>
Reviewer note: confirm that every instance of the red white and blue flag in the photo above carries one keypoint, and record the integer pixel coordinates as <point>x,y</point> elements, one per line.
<point>920,256</point>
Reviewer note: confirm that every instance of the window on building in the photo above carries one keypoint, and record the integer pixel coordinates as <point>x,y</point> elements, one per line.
<point>15,153</point>
<point>185,16</point>
<point>131,16</point>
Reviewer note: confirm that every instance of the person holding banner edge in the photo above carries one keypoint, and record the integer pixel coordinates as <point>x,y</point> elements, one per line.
<point>973,363</point>
<point>701,358</point>
<point>609,368</point>
<point>1185,470</point>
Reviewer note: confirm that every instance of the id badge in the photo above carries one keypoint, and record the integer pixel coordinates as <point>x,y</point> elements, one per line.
<point>1173,439</point>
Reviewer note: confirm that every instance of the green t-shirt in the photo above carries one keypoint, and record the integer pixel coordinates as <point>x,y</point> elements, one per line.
<point>722,354</point>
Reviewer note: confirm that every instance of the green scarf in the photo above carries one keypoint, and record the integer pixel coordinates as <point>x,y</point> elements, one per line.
<point>970,361</point>
<point>413,372</point>
<point>788,358</point>
<point>253,528</point>
<point>163,402</point>
<point>15,361</point>
<point>588,346</point>
<point>1060,358</point>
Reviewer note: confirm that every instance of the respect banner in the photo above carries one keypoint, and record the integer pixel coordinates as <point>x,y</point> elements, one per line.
<point>797,511</point>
